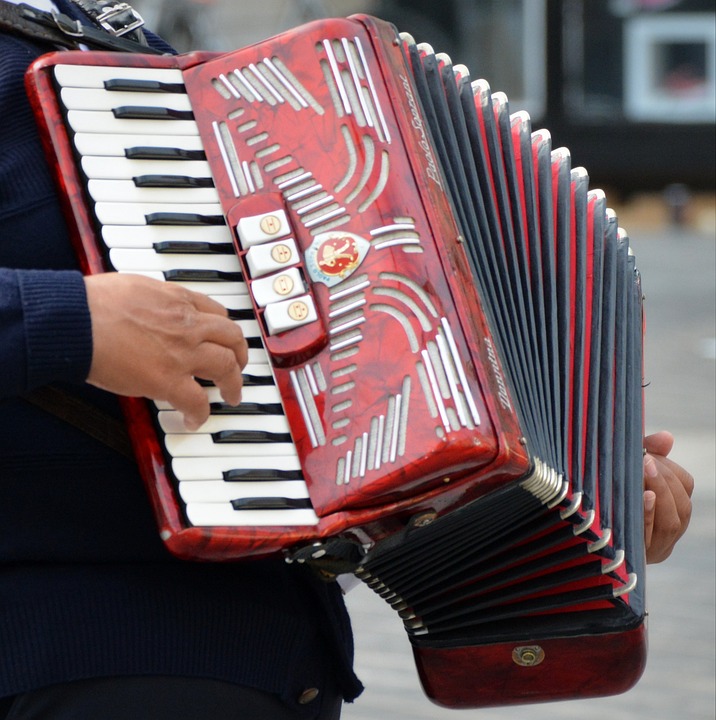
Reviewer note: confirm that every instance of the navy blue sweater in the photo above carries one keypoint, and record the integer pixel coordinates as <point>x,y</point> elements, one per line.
<point>86,587</point>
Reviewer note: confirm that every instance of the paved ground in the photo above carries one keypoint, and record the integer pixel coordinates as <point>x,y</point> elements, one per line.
<point>678,270</point>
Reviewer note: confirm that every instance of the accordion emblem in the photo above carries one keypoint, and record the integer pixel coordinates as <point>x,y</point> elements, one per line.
<point>444,388</point>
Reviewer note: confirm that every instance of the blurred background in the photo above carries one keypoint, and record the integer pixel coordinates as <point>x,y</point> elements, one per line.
<point>629,86</point>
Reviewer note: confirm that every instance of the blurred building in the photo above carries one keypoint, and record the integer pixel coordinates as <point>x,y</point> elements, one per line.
<point>628,85</point>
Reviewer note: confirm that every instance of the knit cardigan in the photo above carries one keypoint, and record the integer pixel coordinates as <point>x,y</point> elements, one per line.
<point>86,587</point>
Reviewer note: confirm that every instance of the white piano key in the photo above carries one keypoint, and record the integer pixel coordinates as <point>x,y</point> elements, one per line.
<point>219,515</point>
<point>218,491</point>
<point>144,236</point>
<point>250,328</point>
<point>96,121</point>
<point>206,469</point>
<point>202,445</point>
<point>242,302</point>
<point>119,168</point>
<point>172,421</point>
<point>127,191</point>
<point>132,259</point>
<point>136,213</point>
<point>104,145</point>
<point>223,491</point>
<point>95,76</point>
<point>262,394</point>
<point>207,288</point>
<point>101,99</point>
<point>259,370</point>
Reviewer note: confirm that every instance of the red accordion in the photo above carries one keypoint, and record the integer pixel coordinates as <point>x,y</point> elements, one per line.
<point>445,328</point>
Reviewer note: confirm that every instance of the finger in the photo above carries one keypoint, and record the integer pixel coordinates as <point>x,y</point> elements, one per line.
<point>651,469</point>
<point>224,333</point>
<point>674,472</point>
<point>649,515</point>
<point>670,515</point>
<point>203,303</point>
<point>659,443</point>
<point>219,365</point>
<point>191,400</point>
<point>678,483</point>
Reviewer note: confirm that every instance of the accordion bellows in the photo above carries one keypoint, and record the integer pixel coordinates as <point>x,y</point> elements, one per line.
<point>444,389</point>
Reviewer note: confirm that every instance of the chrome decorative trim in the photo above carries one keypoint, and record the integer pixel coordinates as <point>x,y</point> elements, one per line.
<point>619,556</point>
<point>632,582</point>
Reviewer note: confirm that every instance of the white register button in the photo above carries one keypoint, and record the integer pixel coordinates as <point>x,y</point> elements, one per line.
<point>290,314</point>
<point>258,229</point>
<point>271,257</point>
<point>280,286</point>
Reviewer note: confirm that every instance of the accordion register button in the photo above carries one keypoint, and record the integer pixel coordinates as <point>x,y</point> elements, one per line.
<point>275,288</point>
<point>289,314</point>
<point>258,229</point>
<point>268,258</point>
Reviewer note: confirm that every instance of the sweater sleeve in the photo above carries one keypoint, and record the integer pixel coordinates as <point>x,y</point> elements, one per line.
<point>45,329</point>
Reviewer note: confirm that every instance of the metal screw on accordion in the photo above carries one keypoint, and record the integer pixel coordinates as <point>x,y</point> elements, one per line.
<point>423,519</point>
<point>528,655</point>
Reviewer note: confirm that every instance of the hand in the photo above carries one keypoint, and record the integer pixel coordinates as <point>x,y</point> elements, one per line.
<point>151,339</point>
<point>667,498</point>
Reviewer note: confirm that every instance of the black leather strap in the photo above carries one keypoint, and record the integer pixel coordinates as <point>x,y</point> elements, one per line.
<point>62,31</point>
<point>85,417</point>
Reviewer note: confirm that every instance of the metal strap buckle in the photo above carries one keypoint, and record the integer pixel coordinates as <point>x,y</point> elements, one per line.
<point>114,21</point>
<point>64,24</point>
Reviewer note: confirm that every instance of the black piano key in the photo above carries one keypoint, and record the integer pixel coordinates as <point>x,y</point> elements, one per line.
<point>145,152</point>
<point>249,436</point>
<point>172,181</point>
<point>252,380</point>
<point>246,314</point>
<point>246,408</point>
<point>261,475</point>
<point>175,218</point>
<point>148,112</point>
<point>192,247</point>
<point>148,86</point>
<point>188,275</point>
<point>249,380</point>
<point>271,503</point>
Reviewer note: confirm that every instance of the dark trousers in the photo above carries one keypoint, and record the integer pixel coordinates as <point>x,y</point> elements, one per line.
<point>157,698</point>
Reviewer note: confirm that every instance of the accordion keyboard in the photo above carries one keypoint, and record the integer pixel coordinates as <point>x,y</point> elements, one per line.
<point>159,215</point>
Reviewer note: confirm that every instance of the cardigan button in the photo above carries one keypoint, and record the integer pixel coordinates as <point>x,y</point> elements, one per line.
<point>307,696</point>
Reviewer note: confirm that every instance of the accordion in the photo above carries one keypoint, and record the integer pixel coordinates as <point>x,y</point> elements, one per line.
<point>444,388</point>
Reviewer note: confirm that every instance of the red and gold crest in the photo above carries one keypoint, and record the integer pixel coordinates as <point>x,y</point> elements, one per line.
<point>338,255</point>
<point>333,256</point>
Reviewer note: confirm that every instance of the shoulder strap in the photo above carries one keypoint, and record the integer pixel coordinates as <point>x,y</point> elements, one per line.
<point>62,31</point>
<point>83,416</point>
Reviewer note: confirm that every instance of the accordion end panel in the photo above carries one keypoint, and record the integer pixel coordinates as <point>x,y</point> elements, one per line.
<point>532,671</point>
